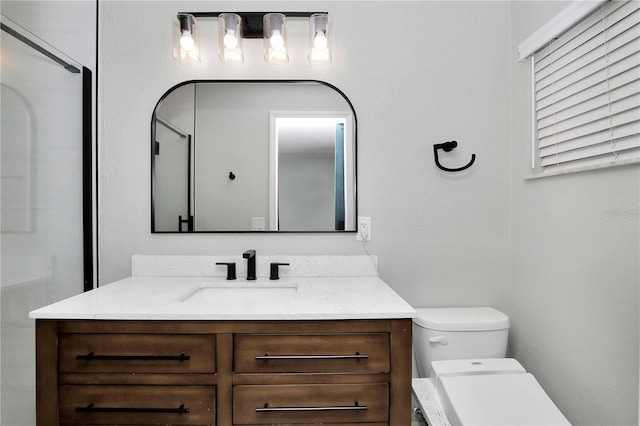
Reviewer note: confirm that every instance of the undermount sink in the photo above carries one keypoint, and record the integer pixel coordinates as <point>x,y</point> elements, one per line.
<point>233,293</point>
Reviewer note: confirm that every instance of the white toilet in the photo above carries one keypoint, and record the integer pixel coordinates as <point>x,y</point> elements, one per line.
<point>465,378</point>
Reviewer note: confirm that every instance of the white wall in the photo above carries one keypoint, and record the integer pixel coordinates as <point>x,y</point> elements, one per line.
<point>442,239</point>
<point>573,300</point>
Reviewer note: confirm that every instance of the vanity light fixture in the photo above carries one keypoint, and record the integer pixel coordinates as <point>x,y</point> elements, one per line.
<point>319,39</point>
<point>185,45</point>
<point>274,36</point>
<point>233,27</point>
<point>230,38</point>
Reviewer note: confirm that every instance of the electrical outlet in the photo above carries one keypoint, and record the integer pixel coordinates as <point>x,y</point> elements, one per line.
<point>257,224</point>
<point>364,228</point>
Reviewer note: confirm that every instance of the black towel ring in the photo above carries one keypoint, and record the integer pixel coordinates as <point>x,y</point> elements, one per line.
<point>447,147</point>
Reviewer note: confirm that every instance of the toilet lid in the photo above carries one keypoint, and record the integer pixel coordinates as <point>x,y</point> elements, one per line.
<point>498,399</point>
<point>461,319</point>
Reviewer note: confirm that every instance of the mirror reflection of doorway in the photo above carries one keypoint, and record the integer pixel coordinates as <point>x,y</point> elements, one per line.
<point>310,169</point>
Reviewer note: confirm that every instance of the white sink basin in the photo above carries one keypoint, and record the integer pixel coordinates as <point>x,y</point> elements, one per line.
<point>241,293</point>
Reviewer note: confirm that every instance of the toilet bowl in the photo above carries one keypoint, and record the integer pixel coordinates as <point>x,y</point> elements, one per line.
<point>465,377</point>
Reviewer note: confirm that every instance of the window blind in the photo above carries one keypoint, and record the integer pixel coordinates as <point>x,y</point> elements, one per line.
<point>587,92</point>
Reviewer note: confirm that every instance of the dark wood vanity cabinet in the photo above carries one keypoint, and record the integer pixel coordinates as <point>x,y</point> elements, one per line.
<point>347,372</point>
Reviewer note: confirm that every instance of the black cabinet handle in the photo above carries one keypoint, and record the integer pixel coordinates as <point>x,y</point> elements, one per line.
<point>92,356</point>
<point>355,407</point>
<point>91,408</point>
<point>267,357</point>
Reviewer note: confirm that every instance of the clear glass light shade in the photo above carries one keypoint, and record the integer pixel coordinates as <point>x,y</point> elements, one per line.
<point>319,39</point>
<point>230,38</point>
<point>275,42</point>
<point>185,40</point>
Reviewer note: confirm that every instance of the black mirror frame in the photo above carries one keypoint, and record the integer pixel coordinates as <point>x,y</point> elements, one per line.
<point>189,220</point>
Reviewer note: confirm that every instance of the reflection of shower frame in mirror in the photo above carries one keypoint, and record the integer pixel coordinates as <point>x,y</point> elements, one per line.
<point>166,212</point>
<point>233,184</point>
<point>312,137</point>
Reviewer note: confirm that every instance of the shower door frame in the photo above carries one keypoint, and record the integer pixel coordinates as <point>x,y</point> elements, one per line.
<point>87,144</point>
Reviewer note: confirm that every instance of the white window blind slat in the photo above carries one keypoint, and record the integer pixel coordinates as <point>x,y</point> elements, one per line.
<point>578,35</point>
<point>579,121</point>
<point>616,84</point>
<point>587,92</point>
<point>619,94</point>
<point>599,71</point>
<point>603,137</point>
<point>620,147</point>
<point>618,48</point>
<point>616,120</point>
<point>625,32</point>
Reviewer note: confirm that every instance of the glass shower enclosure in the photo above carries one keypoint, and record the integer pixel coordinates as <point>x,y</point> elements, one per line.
<point>45,200</point>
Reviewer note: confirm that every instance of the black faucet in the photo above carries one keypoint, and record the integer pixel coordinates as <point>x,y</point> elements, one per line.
<point>250,255</point>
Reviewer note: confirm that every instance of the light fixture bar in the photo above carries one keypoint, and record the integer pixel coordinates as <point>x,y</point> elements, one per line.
<point>252,22</point>
<point>233,27</point>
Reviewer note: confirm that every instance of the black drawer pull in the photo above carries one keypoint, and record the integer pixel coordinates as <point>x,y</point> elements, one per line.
<point>267,357</point>
<point>355,407</point>
<point>93,409</point>
<point>93,356</point>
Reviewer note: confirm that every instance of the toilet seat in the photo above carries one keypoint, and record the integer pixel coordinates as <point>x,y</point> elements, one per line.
<point>497,399</point>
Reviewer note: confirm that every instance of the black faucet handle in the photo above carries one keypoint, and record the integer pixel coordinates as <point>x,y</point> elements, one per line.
<point>231,269</point>
<point>274,275</point>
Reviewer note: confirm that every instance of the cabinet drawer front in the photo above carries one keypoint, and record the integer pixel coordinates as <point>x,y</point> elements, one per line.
<point>137,353</point>
<point>178,405</point>
<point>257,404</point>
<point>315,353</point>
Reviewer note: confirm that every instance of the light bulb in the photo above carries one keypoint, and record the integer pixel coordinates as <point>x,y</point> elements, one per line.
<point>320,40</point>
<point>276,40</point>
<point>186,41</point>
<point>230,40</point>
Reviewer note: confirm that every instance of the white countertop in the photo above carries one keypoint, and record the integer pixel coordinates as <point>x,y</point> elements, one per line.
<point>159,298</point>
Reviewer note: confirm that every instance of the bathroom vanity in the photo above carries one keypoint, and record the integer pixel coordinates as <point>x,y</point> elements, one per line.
<point>201,350</point>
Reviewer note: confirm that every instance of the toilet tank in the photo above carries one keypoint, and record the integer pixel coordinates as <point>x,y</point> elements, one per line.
<point>458,333</point>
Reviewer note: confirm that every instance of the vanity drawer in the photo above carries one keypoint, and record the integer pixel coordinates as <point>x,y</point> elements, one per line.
<point>312,353</point>
<point>137,353</point>
<point>345,403</point>
<point>102,404</point>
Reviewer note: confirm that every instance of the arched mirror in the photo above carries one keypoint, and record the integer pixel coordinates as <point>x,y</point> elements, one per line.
<point>253,156</point>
